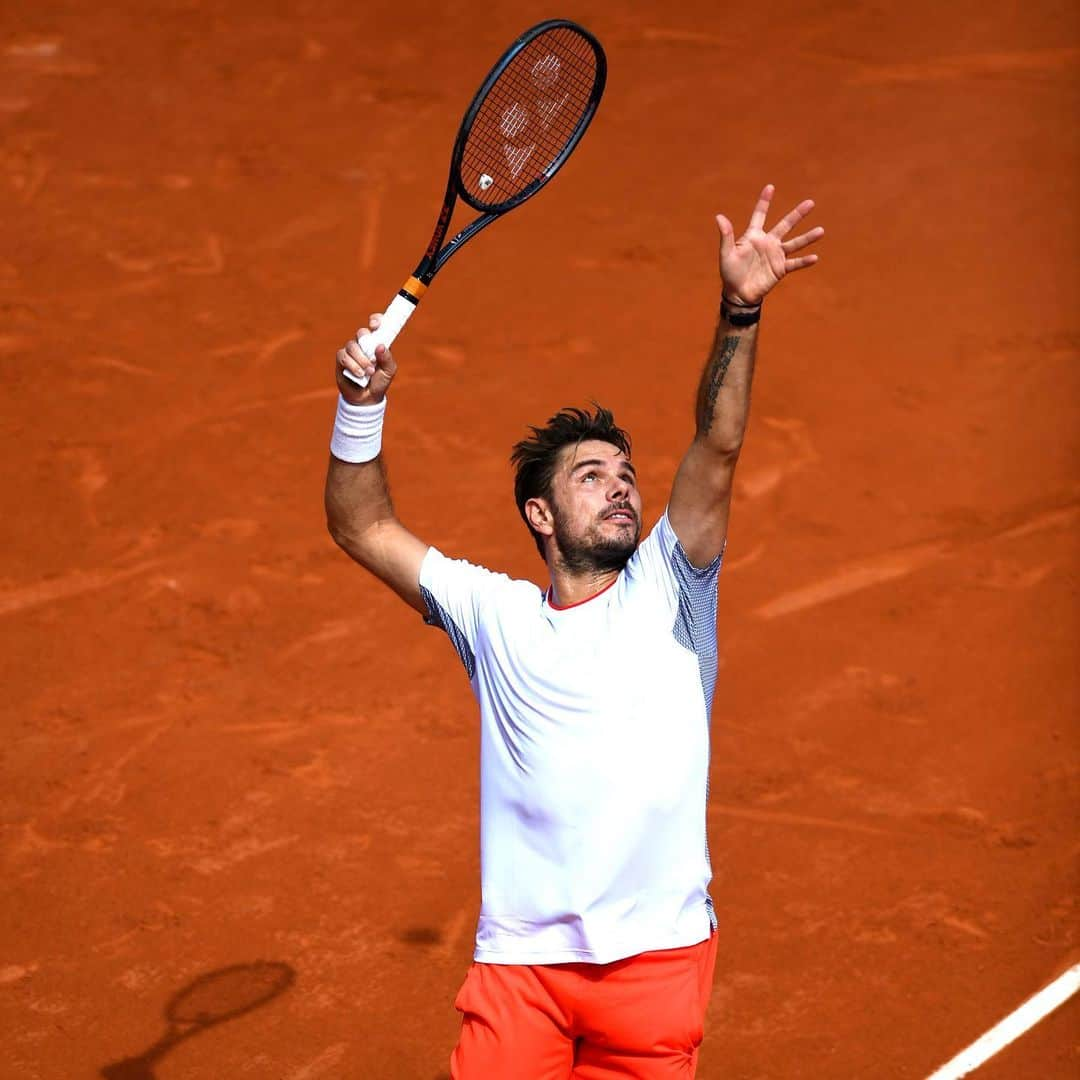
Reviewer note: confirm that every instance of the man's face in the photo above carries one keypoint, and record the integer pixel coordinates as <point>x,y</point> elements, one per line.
<point>595,507</point>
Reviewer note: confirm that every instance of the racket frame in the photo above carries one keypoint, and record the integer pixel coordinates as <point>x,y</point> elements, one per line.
<point>436,257</point>
<point>437,253</point>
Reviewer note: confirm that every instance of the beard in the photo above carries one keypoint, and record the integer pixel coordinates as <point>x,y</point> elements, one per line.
<point>596,551</point>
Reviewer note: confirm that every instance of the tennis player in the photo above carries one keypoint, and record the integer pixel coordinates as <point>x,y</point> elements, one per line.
<point>597,937</point>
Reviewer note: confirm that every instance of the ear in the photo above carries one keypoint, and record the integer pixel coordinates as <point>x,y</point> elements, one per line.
<point>538,513</point>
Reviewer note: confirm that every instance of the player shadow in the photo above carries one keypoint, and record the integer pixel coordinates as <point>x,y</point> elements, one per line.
<point>211,999</point>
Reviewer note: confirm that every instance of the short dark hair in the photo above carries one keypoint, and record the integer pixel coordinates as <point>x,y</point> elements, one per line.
<point>535,459</point>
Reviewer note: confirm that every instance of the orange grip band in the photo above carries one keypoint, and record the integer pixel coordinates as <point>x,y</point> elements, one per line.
<point>414,287</point>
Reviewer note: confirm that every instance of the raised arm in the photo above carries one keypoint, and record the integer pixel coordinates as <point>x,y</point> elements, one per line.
<point>750,268</point>
<point>359,513</point>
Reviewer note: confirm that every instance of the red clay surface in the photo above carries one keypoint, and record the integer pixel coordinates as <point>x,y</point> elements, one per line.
<point>224,744</point>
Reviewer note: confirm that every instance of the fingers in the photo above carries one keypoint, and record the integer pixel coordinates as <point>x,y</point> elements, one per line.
<point>353,360</point>
<point>796,243</point>
<point>378,369</point>
<point>791,219</point>
<point>800,263</point>
<point>761,211</point>
<point>727,235</point>
<point>360,350</point>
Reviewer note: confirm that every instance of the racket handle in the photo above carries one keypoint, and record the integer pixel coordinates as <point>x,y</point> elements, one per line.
<point>394,318</point>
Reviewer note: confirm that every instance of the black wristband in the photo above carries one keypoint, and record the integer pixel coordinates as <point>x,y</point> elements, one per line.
<point>739,316</point>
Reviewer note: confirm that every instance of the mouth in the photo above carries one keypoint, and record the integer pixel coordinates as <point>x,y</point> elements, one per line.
<point>621,517</point>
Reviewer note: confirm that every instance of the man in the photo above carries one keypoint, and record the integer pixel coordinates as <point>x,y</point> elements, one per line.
<point>597,937</point>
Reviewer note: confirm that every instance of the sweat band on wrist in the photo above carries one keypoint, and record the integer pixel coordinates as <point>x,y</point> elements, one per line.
<point>739,315</point>
<point>357,431</point>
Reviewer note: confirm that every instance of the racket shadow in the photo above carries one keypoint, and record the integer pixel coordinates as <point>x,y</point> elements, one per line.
<point>207,1001</point>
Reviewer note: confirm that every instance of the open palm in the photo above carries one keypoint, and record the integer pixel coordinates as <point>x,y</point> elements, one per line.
<point>752,265</point>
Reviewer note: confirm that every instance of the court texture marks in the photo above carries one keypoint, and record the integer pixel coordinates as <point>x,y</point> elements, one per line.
<point>236,772</point>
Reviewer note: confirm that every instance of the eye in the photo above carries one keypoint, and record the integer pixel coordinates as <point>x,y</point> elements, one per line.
<point>589,476</point>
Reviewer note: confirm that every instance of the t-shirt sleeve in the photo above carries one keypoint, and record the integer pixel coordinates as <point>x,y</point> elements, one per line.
<point>689,592</point>
<point>455,591</point>
<point>660,557</point>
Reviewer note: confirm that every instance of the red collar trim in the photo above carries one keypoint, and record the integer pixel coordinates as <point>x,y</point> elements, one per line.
<point>566,607</point>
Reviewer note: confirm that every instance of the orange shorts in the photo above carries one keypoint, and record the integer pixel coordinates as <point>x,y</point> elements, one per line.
<point>642,1017</point>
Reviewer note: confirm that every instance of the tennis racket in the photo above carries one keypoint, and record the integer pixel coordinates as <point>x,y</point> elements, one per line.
<point>210,999</point>
<point>520,128</point>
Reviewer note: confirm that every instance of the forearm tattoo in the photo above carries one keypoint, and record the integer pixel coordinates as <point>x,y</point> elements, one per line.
<point>715,379</point>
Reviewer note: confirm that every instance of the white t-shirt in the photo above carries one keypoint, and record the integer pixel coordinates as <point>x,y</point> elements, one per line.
<point>594,754</point>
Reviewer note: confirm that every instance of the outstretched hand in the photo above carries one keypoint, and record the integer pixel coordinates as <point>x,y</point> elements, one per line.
<point>752,265</point>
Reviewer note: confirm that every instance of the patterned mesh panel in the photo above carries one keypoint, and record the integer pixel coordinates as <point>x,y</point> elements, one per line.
<point>438,616</point>
<point>695,621</point>
<point>695,629</point>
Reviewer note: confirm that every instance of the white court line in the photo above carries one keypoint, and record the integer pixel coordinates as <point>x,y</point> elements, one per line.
<point>1014,1025</point>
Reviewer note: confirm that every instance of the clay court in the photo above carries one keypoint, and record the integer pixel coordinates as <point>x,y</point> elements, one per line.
<point>227,748</point>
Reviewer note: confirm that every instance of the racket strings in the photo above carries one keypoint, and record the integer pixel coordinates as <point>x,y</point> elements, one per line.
<point>229,992</point>
<point>529,117</point>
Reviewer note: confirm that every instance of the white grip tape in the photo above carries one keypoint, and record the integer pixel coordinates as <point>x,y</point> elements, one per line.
<point>394,318</point>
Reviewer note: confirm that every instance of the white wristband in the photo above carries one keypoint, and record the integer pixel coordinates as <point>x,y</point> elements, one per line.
<point>357,431</point>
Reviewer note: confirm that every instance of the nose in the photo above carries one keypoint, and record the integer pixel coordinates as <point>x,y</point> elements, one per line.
<point>619,491</point>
